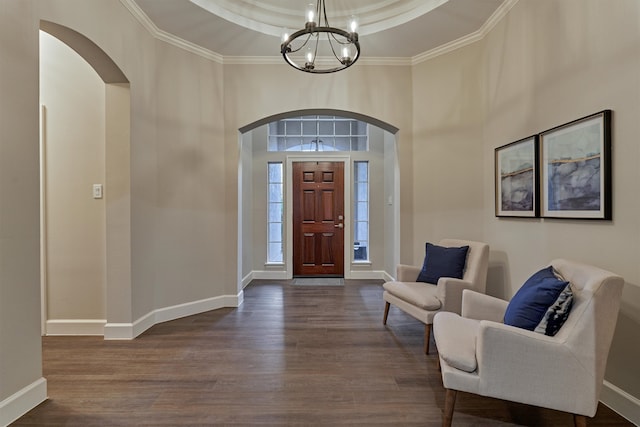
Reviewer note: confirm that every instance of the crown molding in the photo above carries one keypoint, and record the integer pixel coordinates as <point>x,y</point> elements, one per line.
<point>277,60</point>
<point>159,34</point>
<point>164,36</point>
<point>478,35</point>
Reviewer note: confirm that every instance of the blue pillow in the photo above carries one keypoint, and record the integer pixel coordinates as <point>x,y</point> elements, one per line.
<point>536,303</point>
<point>440,261</point>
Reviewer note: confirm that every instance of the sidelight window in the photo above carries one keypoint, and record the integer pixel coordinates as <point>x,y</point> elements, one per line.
<point>275,215</point>
<point>361,211</point>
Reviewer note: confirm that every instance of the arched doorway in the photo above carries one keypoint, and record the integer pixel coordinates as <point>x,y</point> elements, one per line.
<point>254,160</point>
<point>72,307</point>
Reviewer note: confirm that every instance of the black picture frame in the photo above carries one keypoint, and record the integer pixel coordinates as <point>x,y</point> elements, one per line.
<point>516,179</point>
<point>575,169</point>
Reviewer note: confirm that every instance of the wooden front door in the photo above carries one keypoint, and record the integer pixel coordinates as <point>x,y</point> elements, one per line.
<point>318,219</point>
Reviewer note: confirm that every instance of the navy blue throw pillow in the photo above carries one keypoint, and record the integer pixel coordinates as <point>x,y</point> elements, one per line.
<point>529,306</point>
<point>440,261</point>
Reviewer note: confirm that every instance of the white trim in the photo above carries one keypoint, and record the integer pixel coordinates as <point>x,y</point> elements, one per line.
<point>247,279</point>
<point>277,60</point>
<point>367,274</point>
<point>499,13</point>
<point>127,331</point>
<point>43,220</point>
<point>621,402</point>
<point>21,402</point>
<point>352,274</point>
<point>387,277</point>
<point>271,275</point>
<point>347,238</point>
<point>75,327</point>
<point>162,35</point>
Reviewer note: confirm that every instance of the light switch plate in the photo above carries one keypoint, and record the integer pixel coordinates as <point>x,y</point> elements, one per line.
<point>97,191</point>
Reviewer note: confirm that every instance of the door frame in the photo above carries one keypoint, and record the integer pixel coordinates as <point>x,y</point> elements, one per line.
<point>288,202</point>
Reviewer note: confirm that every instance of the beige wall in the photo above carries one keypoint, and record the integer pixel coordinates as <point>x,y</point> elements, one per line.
<point>179,218</point>
<point>447,151</point>
<point>74,145</point>
<point>21,349</point>
<point>452,111</point>
<point>586,59</point>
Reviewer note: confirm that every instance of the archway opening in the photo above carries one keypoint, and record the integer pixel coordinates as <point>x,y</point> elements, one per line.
<point>383,192</point>
<point>85,186</point>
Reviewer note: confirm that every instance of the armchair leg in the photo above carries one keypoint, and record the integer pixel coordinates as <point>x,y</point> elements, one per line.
<point>386,313</point>
<point>579,420</point>
<point>427,338</point>
<point>449,403</point>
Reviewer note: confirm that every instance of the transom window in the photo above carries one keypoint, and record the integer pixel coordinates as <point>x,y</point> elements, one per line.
<point>318,133</point>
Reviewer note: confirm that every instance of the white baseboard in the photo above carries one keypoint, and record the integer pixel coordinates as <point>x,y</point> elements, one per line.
<point>75,327</point>
<point>366,274</point>
<point>21,402</point>
<point>387,277</point>
<point>282,275</point>
<point>270,275</point>
<point>247,279</point>
<point>128,331</point>
<point>621,402</point>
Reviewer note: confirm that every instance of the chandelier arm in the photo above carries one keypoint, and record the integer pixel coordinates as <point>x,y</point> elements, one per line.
<point>348,42</point>
<point>303,44</point>
<point>315,53</point>
<point>335,55</point>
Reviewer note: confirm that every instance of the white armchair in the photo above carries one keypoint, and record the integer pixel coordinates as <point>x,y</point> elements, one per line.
<point>423,300</point>
<point>481,355</point>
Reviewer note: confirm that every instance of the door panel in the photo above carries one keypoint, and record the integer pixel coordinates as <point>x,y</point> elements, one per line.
<point>318,206</point>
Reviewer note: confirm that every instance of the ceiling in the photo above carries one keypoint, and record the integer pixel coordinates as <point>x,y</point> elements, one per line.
<point>393,29</point>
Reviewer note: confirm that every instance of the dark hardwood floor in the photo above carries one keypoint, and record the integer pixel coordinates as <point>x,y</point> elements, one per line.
<point>290,355</point>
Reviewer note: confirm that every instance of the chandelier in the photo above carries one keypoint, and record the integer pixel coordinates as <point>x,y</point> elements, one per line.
<point>319,48</point>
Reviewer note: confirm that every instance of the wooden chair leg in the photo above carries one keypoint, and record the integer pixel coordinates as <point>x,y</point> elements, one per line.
<point>449,403</point>
<point>579,420</point>
<point>427,338</point>
<point>386,313</point>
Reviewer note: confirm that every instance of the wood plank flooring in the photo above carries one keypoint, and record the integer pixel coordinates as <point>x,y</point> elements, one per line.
<point>290,355</point>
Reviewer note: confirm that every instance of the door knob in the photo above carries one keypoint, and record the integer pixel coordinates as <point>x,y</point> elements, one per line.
<point>339,225</point>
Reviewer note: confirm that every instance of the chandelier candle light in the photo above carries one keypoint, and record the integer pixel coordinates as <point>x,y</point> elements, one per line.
<point>303,48</point>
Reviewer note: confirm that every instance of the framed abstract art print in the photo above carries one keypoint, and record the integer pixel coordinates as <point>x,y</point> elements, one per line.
<point>575,165</point>
<point>516,179</point>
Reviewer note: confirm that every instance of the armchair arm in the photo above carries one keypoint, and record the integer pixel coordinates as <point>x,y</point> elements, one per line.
<point>407,273</point>
<point>483,307</point>
<point>510,357</point>
<point>449,292</point>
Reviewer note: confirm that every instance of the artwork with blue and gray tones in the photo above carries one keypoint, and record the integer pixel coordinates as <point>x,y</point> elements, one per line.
<point>573,161</point>
<point>516,177</point>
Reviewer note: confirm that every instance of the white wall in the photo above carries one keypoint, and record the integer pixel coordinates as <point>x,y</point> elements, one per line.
<point>74,145</point>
